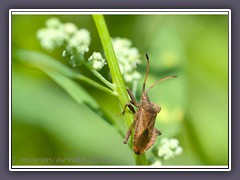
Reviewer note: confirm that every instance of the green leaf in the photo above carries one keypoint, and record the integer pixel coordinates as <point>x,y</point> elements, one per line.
<point>72,88</point>
<point>47,63</point>
<point>77,130</point>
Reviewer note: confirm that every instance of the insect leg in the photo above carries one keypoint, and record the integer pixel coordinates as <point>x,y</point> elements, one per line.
<point>129,105</point>
<point>129,132</point>
<point>133,100</point>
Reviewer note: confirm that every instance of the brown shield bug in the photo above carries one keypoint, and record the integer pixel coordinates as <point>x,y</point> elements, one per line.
<point>145,134</point>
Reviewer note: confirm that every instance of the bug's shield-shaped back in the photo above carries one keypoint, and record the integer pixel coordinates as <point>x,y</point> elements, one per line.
<point>145,134</point>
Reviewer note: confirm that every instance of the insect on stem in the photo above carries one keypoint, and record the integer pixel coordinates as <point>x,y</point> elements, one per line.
<point>145,134</point>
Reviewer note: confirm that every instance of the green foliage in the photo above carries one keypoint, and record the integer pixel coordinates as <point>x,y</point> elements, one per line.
<point>49,124</point>
<point>69,114</point>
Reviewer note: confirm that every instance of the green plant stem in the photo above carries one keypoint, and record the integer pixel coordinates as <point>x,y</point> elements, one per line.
<point>95,84</point>
<point>117,78</point>
<point>99,76</point>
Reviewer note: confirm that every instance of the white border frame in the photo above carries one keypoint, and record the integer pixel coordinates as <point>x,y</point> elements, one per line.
<point>121,12</point>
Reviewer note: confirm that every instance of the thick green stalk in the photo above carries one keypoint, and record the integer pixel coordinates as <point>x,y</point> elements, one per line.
<point>117,78</point>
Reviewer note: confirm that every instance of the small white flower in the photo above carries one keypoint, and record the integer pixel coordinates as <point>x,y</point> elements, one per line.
<point>169,148</point>
<point>53,23</point>
<point>70,28</point>
<point>50,38</point>
<point>96,60</point>
<point>168,155</point>
<point>178,150</point>
<point>173,143</point>
<point>80,41</point>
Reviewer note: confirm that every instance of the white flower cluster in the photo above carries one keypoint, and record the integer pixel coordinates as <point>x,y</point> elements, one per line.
<point>80,40</point>
<point>56,34</point>
<point>76,43</point>
<point>169,148</point>
<point>96,60</point>
<point>52,36</point>
<point>128,58</point>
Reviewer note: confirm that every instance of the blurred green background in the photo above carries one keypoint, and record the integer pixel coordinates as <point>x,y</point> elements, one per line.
<point>50,127</point>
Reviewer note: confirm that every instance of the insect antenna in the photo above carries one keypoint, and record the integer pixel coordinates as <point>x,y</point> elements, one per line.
<point>148,65</point>
<point>160,80</point>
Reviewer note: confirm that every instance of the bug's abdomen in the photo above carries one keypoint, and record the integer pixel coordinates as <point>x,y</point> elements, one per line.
<point>142,142</point>
<point>144,129</point>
